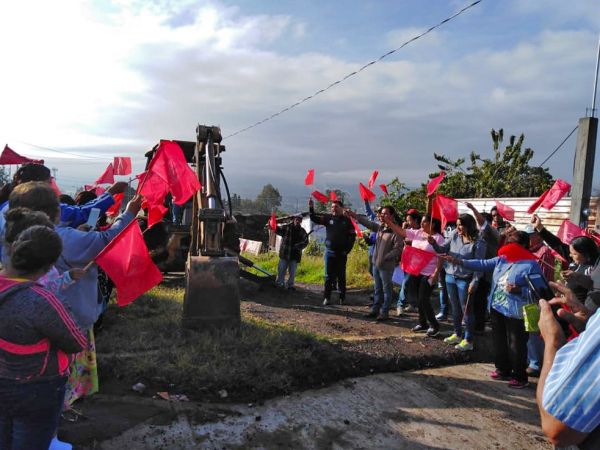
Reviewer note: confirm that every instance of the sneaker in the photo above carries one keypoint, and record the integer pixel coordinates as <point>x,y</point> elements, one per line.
<point>56,444</point>
<point>291,288</point>
<point>371,315</point>
<point>325,302</point>
<point>441,316</point>
<point>409,308</point>
<point>497,375</point>
<point>418,329</point>
<point>453,340</point>
<point>535,373</point>
<point>517,384</point>
<point>433,332</point>
<point>399,311</point>
<point>382,316</point>
<point>464,346</point>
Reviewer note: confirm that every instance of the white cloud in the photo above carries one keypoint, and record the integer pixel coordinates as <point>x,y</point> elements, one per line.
<point>117,80</point>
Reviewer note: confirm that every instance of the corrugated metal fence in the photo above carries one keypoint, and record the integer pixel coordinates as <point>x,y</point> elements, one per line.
<point>551,219</point>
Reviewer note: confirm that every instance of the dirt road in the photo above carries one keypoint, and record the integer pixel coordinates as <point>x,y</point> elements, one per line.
<point>452,408</point>
<point>435,397</point>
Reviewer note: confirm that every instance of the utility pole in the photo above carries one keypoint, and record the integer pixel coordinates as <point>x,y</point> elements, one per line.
<point>583,167</point>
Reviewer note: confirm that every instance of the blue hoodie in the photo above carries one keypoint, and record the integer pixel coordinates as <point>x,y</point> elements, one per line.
<point>79,248</point>
<point>507,304</point>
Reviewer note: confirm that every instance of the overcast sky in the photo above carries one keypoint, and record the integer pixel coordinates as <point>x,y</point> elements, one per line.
<point>82,82</point>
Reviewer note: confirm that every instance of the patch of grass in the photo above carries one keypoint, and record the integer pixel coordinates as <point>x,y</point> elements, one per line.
<point>144,342</point>
<point>311,269</point>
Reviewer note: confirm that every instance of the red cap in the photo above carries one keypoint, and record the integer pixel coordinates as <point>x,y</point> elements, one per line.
<point>412,211</point>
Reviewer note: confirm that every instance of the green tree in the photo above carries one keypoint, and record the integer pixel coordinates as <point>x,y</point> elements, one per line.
<point>403,198</point>
<point>4,177</point>
<point>507,174</point>
<point>267,199</point>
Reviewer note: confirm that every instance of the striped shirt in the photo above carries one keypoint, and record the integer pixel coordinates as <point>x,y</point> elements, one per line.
<point>572,389</point>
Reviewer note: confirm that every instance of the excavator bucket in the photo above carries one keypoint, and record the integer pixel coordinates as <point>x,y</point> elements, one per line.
<point>212,297</point>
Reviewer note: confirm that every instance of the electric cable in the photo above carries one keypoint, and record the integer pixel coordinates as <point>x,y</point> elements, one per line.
<point>356,72</point>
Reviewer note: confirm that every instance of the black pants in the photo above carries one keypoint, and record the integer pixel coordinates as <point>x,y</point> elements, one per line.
<point>480,304</point>
<point>420,289</point>
<point>335,270</point>
<point>510,345</point>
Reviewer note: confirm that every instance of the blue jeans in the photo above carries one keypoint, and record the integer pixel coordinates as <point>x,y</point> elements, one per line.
<point>284,265</point>
<point>30,412</point>
<point>383,288</point>
<point>535,351</point>
<point>443,308</point>
<point>457,294</point>
<point>402,294</point>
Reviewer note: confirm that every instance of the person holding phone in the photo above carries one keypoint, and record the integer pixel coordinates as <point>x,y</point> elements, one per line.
<point>509,293</point>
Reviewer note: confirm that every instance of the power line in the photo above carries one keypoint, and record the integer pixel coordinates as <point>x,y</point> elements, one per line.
<point>559,146</point>
<point>65,153</point>
<point>356,72</point>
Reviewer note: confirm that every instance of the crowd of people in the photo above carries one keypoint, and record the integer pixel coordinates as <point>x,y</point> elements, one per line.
<point>486,271</point>
<point>51,299</point>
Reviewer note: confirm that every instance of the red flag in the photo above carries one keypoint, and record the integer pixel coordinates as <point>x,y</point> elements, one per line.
<point>122,165</point>
<point>153,188</point>
<point>505,211</point>
<point>569,231</point>
<point>107,177</point>
<point>320,197</point>
<point>551,197</point>
<point>310,177</point>
<point>356,228</point>
<point>414,260</point>
<point>170,165</point>
<point>54,186</point>
<point>127,262</point>
<point>333,196</point>
<point>371,182</point>
<point>556,192</point>
<point>156,214</point>
<point>115,208</point>
<point>434,183</point>
<point>365,193</point>
<point>273,221</point>
<point>595,236</point>
<point>99,191</point>
<point>10,157</point>
<point>445,209</point>
<point>384,189</point>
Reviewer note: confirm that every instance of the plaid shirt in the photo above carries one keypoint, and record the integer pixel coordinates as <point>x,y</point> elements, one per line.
<point>294,240</point>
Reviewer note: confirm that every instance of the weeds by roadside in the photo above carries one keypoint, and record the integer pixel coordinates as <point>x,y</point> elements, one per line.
<point>311,269</point>
<point>144,342</point>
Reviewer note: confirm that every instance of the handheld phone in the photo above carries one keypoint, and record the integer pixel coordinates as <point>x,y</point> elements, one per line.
<point>93,217</point>
<point>541,289</point>
<point>539,286</point>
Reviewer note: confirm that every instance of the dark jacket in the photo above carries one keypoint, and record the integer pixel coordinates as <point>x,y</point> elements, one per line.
<point>294,239</point>
<point>339,232</point>
<point>36,332</point>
